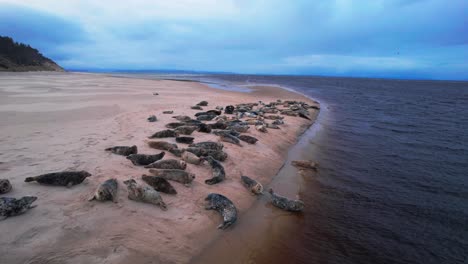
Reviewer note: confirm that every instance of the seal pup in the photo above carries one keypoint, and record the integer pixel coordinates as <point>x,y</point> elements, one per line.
<point>152,118</point>
<point>168,164</point>
<point>164,134</point>
<point>5,186</point>
<point>185,130</point>
<point>204,128</point>
<point>144,194</point>
<point>159,184</point>
<point>177,152</point>
<point>161,145</point>
<point>184,140</point>
<point>123,150</point>
<point>230,139</point>
<point>168,112</point>
<point>13,207</point>
<point>143,159</point>
<point>248,139</point>
<point>106,191</point>
<point>224,206</point>
<point>304,164</point>
<point>64,178</point>
<point>191,158</point>
<point>208,145</point>
<point>285,203</point>
<point>217,169</point>
<point>174,175</point>
<point>252,185</point>
<point>203,103</point>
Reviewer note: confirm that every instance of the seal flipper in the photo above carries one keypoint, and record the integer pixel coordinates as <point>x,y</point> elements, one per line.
<point>92,198</point>
<point>213,181</point>
<point>114,198</point>
<point>30,179</point>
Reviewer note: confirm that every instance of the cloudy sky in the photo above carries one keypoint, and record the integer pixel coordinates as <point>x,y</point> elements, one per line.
<point>373,38</point>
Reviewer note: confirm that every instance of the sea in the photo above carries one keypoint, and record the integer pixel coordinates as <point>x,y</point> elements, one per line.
<point>392,183</point>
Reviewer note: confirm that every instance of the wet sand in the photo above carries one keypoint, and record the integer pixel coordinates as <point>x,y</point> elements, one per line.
<point>63,121</point>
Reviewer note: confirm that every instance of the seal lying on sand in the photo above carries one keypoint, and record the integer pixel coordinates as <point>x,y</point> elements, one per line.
<point>159,184</point>
<point>174,175</point>
<point>182,118</point>
<point>12,206</point>
<point>218,171</point>
<point>144,194</point>
<point>252,185</point>
<point>230,139</point>
<point>248,139</point>
<point>143,159</point>
<point>216,154</point>
<point>208,145</point>
<point>161,145</point>
<point>106,191</point>
<point>185,130</point>
<point>5,186</point>
<point>164,134</point>
<point>64,178</point>
<point>191,158</point>
<point>224,206</point>
<point>152,118</point>
<point>123,150</point>
<point>304,164</point>
<point>184,140</point>
<point>177,152</point>
<point>285,203</point>
<point>168,164</point>
<point>175,125</point>
<point>204,128</point>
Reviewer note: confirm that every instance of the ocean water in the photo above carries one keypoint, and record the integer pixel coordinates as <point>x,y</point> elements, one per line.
<point>392,186</point>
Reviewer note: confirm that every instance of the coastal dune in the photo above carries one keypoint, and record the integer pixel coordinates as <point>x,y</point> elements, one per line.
<point>64,121</point>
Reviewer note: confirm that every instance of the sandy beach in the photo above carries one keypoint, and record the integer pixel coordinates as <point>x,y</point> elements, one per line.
<point>63,121</point>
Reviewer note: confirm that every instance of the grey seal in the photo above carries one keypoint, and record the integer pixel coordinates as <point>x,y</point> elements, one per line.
<point>248,139</point>
<point>185,130</point>
<point>184,140</point>
<point>285,203</point>
<point>203,103</point>
<point>173,125</point>
<point>304,164</point>
<point>164,134</point>
<point>168,164</point>
<point>224,206</point>
<point>5,186</point>
<point>144,194</point>
<point>177,152</point>
<point>123,150</point>
<point>174,175</point>
<point>161,145</point>
<point>204,128</point>
<point>261,128</point>
<point>13,207</point>
<point>191,158</point>
<point>230,139</point>
<point>252,185</point>
<point>182,118</point>
<point>143,159</point>
<point>229,109</point>
<point>152,118</point>
<point>64,178</point>
<point>196,107</point>
<point>218,171</point>
<point>106,191</point>
<point>205,117</point>
<point>168,112</point>
<point>216,154</point>
<point>159,184</point>
<point>208,145</point>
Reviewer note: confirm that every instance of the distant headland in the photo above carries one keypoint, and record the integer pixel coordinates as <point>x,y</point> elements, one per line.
<point>19,57</point>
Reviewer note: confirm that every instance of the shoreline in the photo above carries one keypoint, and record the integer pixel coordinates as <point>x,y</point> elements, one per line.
<point>65,226</point>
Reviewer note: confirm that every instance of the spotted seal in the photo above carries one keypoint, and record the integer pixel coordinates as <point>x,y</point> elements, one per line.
<point>5,186</point>
<point>224,206</point>
<point>13,207</point>
<point>106,191</point>
<point>168,164</point>
<point>217,169</point>
<point>143,159</point>
<point>123,150</point>
<point>285,203</point>
<point>252,185</point>
<point>184,140</point>
<point>174,175</point>
<point>248,139</point>
<point>159,184</point>
<point>63,178</point>
<point>161,145</point>
<point>164,134</point>
<point>144,194</point>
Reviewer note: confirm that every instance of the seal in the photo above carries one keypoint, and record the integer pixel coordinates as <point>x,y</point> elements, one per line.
<point>252,185</point>
<point>168,112</point>
<point>272,126</point>
<point>278,122</point>
<point>186,130</point>
<point>5,186</point>
<point>230,139</point>
<point>161,145</point>
<point>239,128</point>
<point>248,139</point>
<point>213,112</point>
<point>226,132</point>
<point>208,145</point>
<point>261,128</point>
<point>173,125</point>
<point>177,152</point>
<point>164,134</point>
<point>205,117</point>
<point>203,103</point>
<point>191,158</point>
<point>182,118</point>
<point>285,203</point>
<point>196,107</point>
<point>13,207</point>
<point>123,150</point>
<point>159,184</point>
<point>218,171</point>
<point>64,178</point>
<point>152,118</point>
<point>204,128</point>
<point>144,194</point>
<point>106,191</point>
<point>184,140</point>
<point>168,164</point>
<point>304,164</point>
<point>143,159</point>
<point>174,175</point>
<point>218,125</point>
<point>224,206</point>
<point>229,110</point>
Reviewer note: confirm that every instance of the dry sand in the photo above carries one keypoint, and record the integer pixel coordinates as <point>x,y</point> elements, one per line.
<point>63,121</point>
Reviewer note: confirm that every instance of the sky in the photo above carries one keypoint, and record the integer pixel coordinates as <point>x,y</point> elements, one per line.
<point>426,39</point>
